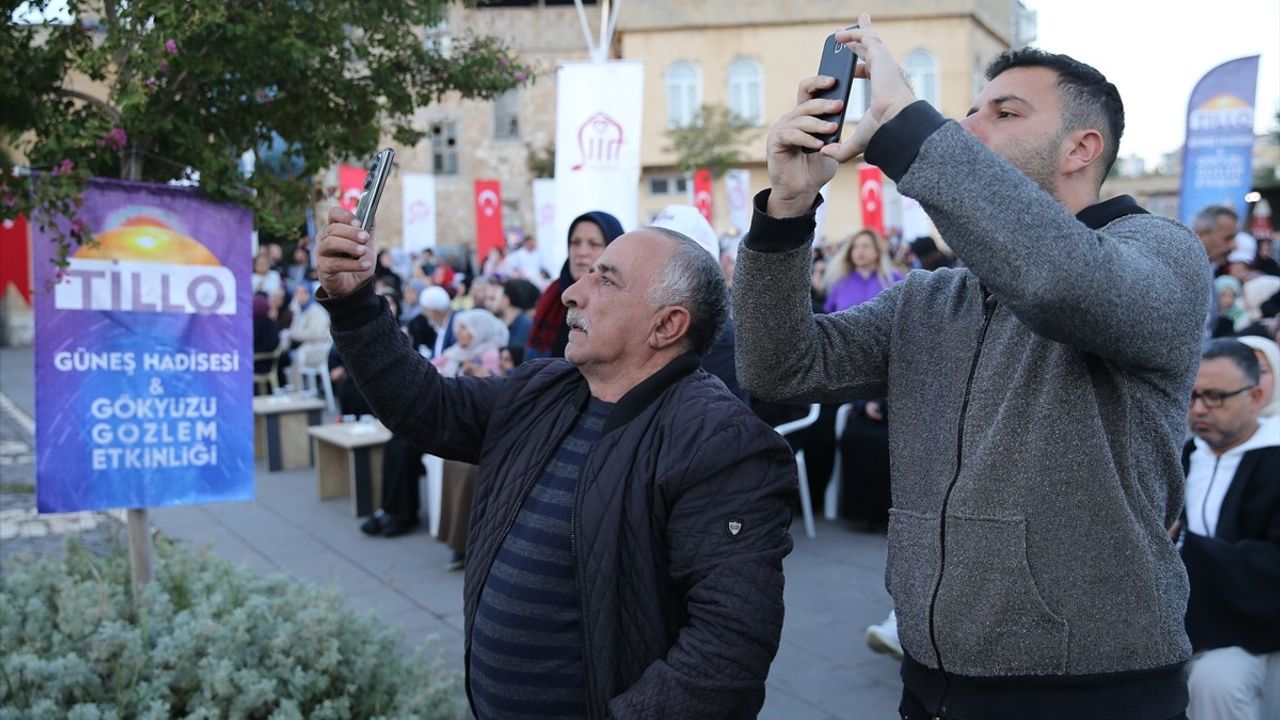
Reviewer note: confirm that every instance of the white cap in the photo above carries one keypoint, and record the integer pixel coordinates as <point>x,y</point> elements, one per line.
<point>686,220</point>
<point>434,298</point>
<point>1246,249</point>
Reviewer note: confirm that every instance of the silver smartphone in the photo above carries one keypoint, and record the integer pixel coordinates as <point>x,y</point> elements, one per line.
<point>379,171</point>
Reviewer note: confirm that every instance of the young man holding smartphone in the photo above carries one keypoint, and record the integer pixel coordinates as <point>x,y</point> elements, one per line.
<point>1028,556</point>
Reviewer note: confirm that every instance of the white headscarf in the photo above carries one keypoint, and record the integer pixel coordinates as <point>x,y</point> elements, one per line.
<point>1268,348</point>
<point>487,333</point>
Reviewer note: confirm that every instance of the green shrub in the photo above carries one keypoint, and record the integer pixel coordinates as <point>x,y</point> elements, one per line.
<point>211,640</point>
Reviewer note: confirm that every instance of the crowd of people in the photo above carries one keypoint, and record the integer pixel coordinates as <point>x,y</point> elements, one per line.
<point>1079,488</point>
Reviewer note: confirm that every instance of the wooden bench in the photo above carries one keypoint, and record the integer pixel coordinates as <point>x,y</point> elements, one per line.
<point>279,430</point>
<point>349,462</point>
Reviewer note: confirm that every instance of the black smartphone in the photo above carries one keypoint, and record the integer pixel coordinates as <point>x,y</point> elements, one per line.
<point>838,62</point>
<point>379,171</point>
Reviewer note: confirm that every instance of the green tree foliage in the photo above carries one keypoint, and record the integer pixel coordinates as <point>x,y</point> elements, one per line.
<point>714,140</point>
<point>190,86</point>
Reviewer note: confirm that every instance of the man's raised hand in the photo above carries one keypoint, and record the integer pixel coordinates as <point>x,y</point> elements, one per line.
<point>344,253</point>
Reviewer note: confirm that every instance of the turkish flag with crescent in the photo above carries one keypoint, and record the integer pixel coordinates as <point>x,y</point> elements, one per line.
<point>871,191</point>
<point>489,231</point>
<point>702,191</point>
<point>350,184</point>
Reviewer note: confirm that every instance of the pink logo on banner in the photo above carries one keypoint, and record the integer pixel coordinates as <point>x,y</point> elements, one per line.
<point>599,142</point>
<point>419,212</point>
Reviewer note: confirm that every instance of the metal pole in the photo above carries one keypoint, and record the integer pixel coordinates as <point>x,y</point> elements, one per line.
<point>139,528</point>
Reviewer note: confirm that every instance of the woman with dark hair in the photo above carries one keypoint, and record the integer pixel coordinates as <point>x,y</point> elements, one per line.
<point>589,234</point>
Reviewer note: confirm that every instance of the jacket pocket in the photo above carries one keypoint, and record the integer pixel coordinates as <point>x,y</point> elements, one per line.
<point>990,618</point>
<point>911,570</point>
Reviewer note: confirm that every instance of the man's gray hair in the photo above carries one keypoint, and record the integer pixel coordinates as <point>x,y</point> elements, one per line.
<point>693,280</point>
<point>1208,217</point>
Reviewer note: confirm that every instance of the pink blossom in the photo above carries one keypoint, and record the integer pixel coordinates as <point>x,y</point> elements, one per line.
<point>64,168</point>
<point>115,139</point>
<point>503,61</point>
<point>521,77</point>
<point>164,68</point>
<point>150,83</point>
<point>171,46</point>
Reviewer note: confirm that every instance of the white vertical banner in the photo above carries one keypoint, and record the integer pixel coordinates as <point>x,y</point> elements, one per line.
<point>737,185</point>
<point>418,211</point>
<point>598,111</point>
<point>820,215</point>
<point>915,221</point>
<point>553,247</point>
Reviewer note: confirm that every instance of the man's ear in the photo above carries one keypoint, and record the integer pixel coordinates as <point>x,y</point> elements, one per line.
<point>1256,401</point>
<point>671,325</point>
<point>1085,150</point>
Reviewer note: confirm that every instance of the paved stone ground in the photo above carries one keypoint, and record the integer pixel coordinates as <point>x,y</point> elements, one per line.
<point>835,587</point>
<point>21,529</point>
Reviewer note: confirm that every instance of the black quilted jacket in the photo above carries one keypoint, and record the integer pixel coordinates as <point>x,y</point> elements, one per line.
<point>681,519</point>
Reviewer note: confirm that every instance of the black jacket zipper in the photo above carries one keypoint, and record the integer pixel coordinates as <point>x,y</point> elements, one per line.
<point>988,310</point>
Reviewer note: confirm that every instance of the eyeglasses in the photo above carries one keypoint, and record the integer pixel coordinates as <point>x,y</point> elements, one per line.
<point>1215,398</point>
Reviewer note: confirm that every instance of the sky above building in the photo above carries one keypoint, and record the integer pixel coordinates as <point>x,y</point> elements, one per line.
<point>1155,52</point>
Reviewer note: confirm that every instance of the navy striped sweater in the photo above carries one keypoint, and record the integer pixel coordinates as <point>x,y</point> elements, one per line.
<point>526,646</point>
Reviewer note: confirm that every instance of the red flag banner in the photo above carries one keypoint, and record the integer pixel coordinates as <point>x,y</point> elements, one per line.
<point>871,191</point>
<point>488,200</point>
<point>702,192</point>
<point>15,258</point>
<point>350,185</point>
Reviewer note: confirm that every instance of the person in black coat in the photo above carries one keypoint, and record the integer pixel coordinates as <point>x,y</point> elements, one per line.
<point>629,511</point>
<point>1229,535</point>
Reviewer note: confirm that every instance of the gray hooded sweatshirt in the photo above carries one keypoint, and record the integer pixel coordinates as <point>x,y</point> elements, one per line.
<point>1039,403</point>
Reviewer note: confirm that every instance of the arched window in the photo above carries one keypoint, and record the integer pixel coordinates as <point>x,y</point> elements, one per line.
<point>746,90</point>
<point>922,72</point>
<point>684,93</point>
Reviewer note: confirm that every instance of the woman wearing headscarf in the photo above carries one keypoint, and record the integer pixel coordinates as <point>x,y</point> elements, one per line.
<point>308,331</point>
<point>589,234</point>
<point>481,336</point>
<point>1231,315</point>
<point>1268,365</point>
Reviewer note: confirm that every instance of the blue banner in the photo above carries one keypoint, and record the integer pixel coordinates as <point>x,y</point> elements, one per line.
<point>1217,159</point>
<point>144,360</point>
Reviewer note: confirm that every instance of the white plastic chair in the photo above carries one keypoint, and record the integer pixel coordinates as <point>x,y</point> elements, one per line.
<point>433,493</point>
<point>833,485</point>
<point>315,379</point>
<point>806,505</point>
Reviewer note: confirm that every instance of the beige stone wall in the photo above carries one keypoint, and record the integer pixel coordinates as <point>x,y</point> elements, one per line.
<point>544,37</point>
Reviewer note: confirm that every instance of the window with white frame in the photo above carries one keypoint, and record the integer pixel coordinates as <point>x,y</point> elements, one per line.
<point>922,72</point>
<point>684,93</point>
<point>668,185</point>
<point>444,148</point>
<point>746,90</point>
<point>506,116</point>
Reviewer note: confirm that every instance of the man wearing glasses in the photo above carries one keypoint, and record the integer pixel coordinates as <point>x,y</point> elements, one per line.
<point>1230,536</point>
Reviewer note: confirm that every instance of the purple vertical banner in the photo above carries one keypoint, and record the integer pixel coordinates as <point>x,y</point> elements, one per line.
<point>143,354</point>
<point>1217,159</point>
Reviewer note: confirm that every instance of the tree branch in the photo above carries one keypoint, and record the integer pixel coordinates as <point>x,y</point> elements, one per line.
<point>96,102</point>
